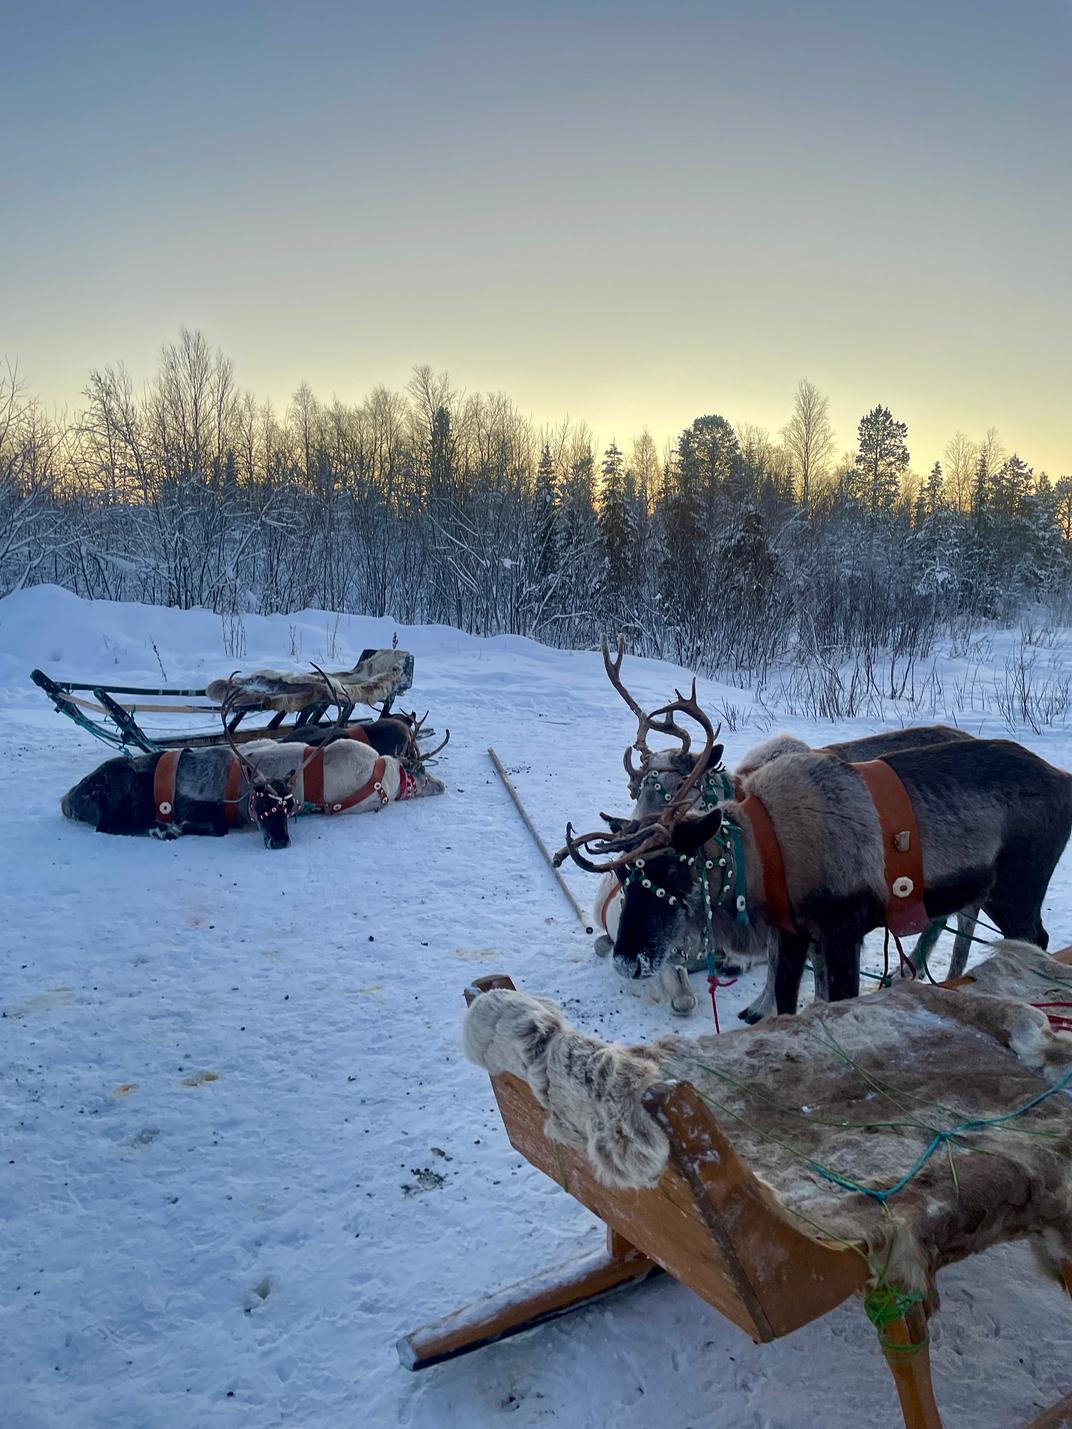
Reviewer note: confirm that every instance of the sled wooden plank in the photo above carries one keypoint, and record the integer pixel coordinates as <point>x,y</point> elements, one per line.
<point>1058,1417</point>
<point>144,709</point>
<point>528,1303</point>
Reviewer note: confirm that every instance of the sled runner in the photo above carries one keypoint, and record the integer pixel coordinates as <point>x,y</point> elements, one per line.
<point>768,1257</point>
<point>115,718</point>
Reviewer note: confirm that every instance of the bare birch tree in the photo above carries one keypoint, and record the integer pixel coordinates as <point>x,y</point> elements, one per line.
<point>808,436</point>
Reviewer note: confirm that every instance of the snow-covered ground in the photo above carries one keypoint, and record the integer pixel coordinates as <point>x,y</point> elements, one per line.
<point>240,1151</point>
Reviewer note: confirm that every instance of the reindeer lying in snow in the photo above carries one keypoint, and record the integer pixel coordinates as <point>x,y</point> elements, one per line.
<point>992,820</point>
<point>268,786</point>
<point>397,735</point>
<point>210,790</point>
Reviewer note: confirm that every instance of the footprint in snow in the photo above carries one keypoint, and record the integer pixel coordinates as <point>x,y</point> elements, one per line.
<point>200,1078</point>
<point>427,1180</point>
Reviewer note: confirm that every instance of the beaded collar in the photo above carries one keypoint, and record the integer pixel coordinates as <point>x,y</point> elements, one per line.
<point>729,863</point>
<point>715,786</point>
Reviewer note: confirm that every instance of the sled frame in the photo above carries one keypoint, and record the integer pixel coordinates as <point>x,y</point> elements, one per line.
<point>120,728</point>
<point>710,1223</point>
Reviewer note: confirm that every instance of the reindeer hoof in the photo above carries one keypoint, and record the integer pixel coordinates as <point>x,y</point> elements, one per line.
<point>750,1015</point>
<point>682,997</point>
<point>726,967</point>
<point>603,946</point>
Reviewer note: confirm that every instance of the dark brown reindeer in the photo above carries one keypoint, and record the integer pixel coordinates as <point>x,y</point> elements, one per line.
<point>398,735</point>
<point>992,818</point>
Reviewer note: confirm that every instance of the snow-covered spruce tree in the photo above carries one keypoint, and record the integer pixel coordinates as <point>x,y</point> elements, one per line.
<point>577,552</point>
<point>881,460</point>
<point>545,517</point>
<point>619,530</point>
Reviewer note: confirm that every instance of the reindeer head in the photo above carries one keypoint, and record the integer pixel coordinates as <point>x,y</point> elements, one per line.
<point>654,856</point>
<point>272,801</point>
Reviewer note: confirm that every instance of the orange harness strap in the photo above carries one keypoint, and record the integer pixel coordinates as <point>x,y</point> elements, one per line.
<point>164,776</point>
<point>232,798</point>
<point>902,850</point>
<point>314,786</point>
<point>772,867</point>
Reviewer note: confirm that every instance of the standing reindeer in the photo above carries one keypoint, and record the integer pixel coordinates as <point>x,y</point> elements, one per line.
<point>992,819</point>
<point>657,777</point>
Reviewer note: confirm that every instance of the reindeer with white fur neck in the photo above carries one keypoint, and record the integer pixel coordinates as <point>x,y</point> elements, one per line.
<point>654,782</point>
<point>264,784</point>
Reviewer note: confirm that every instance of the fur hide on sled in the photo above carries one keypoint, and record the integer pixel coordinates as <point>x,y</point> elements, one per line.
<point>376,679</point>
<point>859,1088</point>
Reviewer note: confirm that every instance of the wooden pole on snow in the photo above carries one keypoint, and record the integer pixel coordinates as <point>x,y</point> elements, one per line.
<point>563,885</point>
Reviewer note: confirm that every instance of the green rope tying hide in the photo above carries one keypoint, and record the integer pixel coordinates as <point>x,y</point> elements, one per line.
<point>939,1139</point>
<point>884,1305</point>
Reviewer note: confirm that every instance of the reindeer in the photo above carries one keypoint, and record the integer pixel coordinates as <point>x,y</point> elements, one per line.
<point>265,784</point>
<point>657,777</point>
<point>652,784</point>
<point>992,818</point>
<point>397,735</point>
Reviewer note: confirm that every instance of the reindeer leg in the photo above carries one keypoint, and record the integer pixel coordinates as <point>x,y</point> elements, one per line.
<point>791,957</point>
<point>820,974</point>
<point>843,968</point>
<point>928,941</point>
<point>764,1005</point>
<point>963,941</point>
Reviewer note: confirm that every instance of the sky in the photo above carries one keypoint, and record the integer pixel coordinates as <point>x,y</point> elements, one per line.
<point>628,214</point>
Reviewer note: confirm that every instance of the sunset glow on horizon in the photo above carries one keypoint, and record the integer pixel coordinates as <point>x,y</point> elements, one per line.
<point>627,214</point>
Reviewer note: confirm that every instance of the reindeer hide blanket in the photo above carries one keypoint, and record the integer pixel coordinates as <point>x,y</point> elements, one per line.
<point>838,1098</point>
<point>383,675</point>
<point>1025,972</point>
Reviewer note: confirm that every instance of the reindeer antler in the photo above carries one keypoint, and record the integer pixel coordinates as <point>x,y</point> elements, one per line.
<point>338,699</point>
<point>640,744</point>
<point>431,753</point>
<point>227,708</point>
<point>645,722</point>
<point>642,836</point>
<point>687,706</point>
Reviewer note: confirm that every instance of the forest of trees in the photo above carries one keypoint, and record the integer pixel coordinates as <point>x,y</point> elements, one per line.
<point>733,550</point>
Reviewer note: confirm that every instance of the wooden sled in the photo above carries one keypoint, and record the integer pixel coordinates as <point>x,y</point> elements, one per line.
<point>710,1223</point>
<point>121,729</point>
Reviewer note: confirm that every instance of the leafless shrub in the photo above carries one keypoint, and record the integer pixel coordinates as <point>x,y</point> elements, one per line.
<point>1027,696</point>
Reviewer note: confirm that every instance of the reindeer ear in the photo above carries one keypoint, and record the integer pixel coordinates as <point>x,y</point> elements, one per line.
<point>614,823</point>
<point>716,757</point>
<point>692,834</point>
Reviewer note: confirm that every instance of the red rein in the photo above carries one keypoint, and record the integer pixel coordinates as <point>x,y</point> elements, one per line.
<point>714,982</point>
<point>1058,1022</point>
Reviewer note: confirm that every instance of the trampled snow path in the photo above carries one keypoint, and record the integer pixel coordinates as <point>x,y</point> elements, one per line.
<point>240,1151</point>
